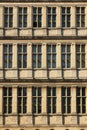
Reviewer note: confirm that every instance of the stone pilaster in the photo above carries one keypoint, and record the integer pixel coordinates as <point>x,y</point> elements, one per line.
<point>73,99</point>
<point>1,55</point>
<point>15,17</point>
<point>58,55</point>
<point>29,17</point>
<point>15,64</point>
<point>29,55</point>
<point>1,100</point>
<point>14,99</point>
<point>73,19</point>
<point>44,99</point>
<point>29,99</point>
<point>73,55</point>
<point>58,102</point>
<point>44,57</point>
<point>58,16</point>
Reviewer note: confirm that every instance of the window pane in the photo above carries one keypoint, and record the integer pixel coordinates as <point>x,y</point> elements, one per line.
<point>24,92</point>
<point>63,91</point>
<point>68,91</point>
<point>34,48</point>
<point>48,91</point>
<point>54,92</point>
<point>49,48</point>
<point>39,91</point>
<point>9,91</point>
<point>33,91</point>
<point>4,91</point>
<point>19,91</point>
<point>83,91</point>
<point>19,48</point>
<point>78,91</point>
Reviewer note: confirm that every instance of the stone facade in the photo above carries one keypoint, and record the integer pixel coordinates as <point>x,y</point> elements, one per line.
<point>30,77</point>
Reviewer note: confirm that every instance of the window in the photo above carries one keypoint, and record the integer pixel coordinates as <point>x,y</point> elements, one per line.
<point>80,56</point>
<point>51,16</point>
<point>66,14</point>
<point>81,99</point>
<point>8,17</point>
<point>37,16</point>
<point>51,56</point>
<point>66,100</point>
<point>36,56</point>
<point>22,17</point>
<point>7,56</point>
<point>22,100</point>
<point>51,100</point>
<point>66,56</point>
<point>80,16</point>
<point>22,56</point>
<point>7,100</point>
<point>36,100</point>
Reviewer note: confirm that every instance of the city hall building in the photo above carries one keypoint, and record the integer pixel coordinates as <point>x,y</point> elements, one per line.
<point>43,64</point>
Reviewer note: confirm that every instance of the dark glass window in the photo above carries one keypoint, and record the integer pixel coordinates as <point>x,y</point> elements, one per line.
<point>37,16</point>
<point>51,16</point>
<point>51,56</point>
<point>22,100</point>
<point>66,100</point>
<point>22,17</point>
<point>66,56</point>
<point>66,16</point>
<point>7,100</point>
<point>36,56</point>
<point>80,16</point>
<point>51,100</point>
<point>36,99</point>
<point>22,56</point>
<point>8,17</point>
<point>81,99</point>
<point>80,56</point>
<point>7,56</point>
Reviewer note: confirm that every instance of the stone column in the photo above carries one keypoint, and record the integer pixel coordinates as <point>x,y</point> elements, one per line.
<point>1,55</point>
<point>44,17</point>
<point>15,64</point>
<point>44,56</point>
<point>44,99</point>
<point>29,56</point>
<point>58,55</point>
<point>15,17</point>
<point>73,99</point>
<point>14,99</point>
<point>15,20</point>
<point>58,102</point>
<point>73,55</point>
<point>58,20</point>
<point>1,20</point>
<point>29,17</point>
<point>29,20</point>
<point>1,99</point>
<point>73,20</point>
<point>58,16</point>
<point>86,16</point>
<point>86,99</point>
<point>29,100</point>
<point>85,56</point>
